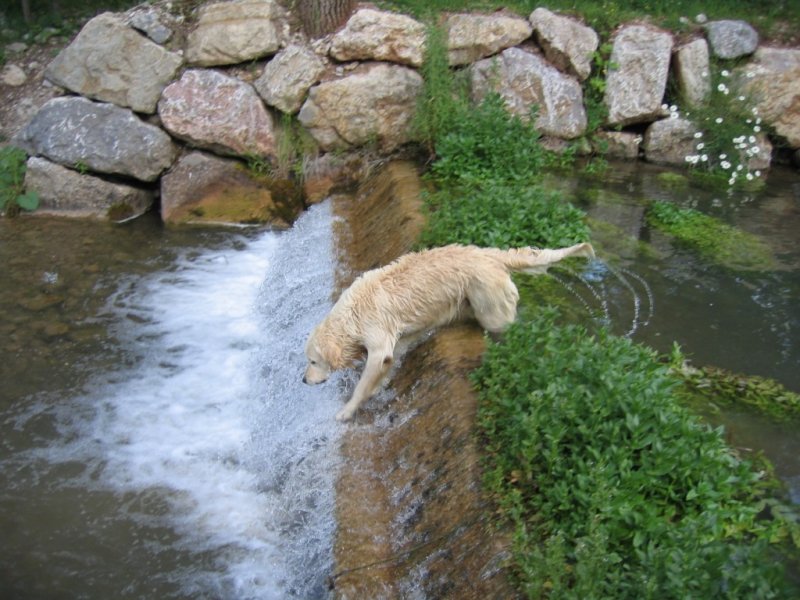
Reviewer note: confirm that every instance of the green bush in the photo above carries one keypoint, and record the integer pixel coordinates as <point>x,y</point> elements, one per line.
<point>504,216</point>
<point>725,245</point>
<point>13,198</point>
<point>613,489</point>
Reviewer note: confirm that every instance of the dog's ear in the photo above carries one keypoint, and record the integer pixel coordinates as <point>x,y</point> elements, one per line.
<point>332,353</point>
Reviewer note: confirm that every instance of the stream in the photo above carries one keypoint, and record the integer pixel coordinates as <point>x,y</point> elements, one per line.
<point>156,439</point>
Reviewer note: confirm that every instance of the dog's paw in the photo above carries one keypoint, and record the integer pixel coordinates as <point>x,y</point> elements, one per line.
<point>344,415</point>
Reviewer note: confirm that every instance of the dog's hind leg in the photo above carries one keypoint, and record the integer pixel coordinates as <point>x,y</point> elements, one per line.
<point>494,302</point>
<point>378,364</point>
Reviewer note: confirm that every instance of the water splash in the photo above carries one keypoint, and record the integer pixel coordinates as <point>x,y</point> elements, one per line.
<point>203,452</point>
<point>606,304</point>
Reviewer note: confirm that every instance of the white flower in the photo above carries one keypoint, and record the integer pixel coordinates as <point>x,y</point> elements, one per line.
<point>704,158</point>
<point>742,98</point>
<point>750,74</point>
<point>700,146</point>
<point>725,73</point>
<point>725,165</point>
<point>749,177</point>
<point>739,167</point>
<point>754,110</point>
<point>718,120</point>
<point>752,139</point>
<point>723,156</point>
<point>757,128</point>
<point>664,107</point>
<point>758,173</point>
<point>698,134</point>
<point>721,87</point>
<point>731,181</point>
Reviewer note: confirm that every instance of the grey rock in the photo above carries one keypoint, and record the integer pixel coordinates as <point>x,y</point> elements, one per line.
<point>670,141</point>
<point>288,77</point>
<point>110,62</point>
<point>150,22</point>
<point>213,111</point>
<point>731,39</point>
<point>376,35</point>
<point>471,37</point>
<point>372,106</point>
<point>102,137</point>
<point>228,33</point>
<point>567,43</point>
<point>525,79</point>
<point>65,192</point>
<point>635,87</point>
<point>692,72</point>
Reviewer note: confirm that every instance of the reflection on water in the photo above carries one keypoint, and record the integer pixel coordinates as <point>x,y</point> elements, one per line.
<point>156,438</point>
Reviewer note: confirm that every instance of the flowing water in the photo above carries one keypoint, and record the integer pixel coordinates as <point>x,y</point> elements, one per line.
<point>155,437</point>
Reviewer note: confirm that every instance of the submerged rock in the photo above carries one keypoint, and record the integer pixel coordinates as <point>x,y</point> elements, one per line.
<point>202,188</point>
<point>66,192</point>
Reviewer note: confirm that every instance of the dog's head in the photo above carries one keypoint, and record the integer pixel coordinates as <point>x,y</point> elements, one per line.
<point>323,357</point>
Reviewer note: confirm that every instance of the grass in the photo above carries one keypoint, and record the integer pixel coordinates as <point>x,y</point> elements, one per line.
<point>13,198</point>
<point>612,488</point>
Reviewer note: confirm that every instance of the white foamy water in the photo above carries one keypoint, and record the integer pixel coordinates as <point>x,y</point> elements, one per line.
<point>213,420</point>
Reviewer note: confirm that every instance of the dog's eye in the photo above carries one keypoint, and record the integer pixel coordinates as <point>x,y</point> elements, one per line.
<point>313,362</point>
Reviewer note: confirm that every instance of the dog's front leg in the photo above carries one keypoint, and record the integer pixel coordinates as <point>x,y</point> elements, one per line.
<point>378,364</point>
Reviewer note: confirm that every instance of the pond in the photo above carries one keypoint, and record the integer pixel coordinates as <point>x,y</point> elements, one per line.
<point>156,439</point>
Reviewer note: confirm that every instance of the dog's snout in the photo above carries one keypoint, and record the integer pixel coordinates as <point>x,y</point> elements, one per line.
<point>305,380</point>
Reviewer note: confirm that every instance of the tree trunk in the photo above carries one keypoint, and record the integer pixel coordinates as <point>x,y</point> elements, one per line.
<point>26,11</point>
<point>320,17</point>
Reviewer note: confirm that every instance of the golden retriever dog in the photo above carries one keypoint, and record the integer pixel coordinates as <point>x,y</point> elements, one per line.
<point>416,293</point>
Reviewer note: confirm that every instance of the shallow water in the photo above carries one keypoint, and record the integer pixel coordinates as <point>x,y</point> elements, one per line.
<point>157,440</point>
<point>660,293</point>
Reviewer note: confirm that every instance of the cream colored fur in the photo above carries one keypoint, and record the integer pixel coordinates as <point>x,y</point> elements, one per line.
<point>416,293</point>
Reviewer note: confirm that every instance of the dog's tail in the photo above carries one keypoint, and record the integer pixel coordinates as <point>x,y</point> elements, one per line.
<point>536,260</point>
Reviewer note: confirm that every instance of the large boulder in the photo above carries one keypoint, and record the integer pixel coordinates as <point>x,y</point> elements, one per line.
<point>471,37</point>
<point>567,43</point>
<point>371,106</point>
<point>109,61</point>
<point>377,35</point>
<point>228,33</point>
<point>66,192</point>
<point>638,78</point>
<point>225,115</point>
<point>692,72</point>
<point>525,79</point>
<point>731,39</point>
<point>772,81</point>
<point>100,137</point>
<point>288,77</point>
<point>670,141</point>
<point>203,188</point>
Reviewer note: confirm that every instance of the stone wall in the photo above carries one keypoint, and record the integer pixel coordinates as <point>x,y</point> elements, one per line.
<point>145,97</point>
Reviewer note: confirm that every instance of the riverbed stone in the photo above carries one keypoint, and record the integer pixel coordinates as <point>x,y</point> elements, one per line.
<point>377,35</point>
<point>635,85</point>
<point>622,145</point>
<point>471,37</point>
<point>228,33</point>
<point>110,62</point>
<point>692,72</point>
<point>203,188</point>
<point>151,22</point>
<point>771,80</point>
<point>97,136</point>
<point>670,141</point>
<point>13,75</point>
<point>66,192</point>
<point>287,78</point>
<point>219,113</point>
<point>375,105</point>
<point>731,39</point>
<point>567,43</point>
<point>525,80</point>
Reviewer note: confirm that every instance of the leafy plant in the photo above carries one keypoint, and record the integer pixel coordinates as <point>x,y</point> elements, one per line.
<point>721,243</point>
<point>502,215</point>
<point>613,489</point>
<point>13,197</point>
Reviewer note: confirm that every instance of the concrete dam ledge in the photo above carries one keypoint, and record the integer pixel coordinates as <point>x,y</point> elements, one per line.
<point>412,518</point>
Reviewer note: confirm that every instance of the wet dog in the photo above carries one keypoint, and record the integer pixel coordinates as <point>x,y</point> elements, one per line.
<point>418,292</point>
